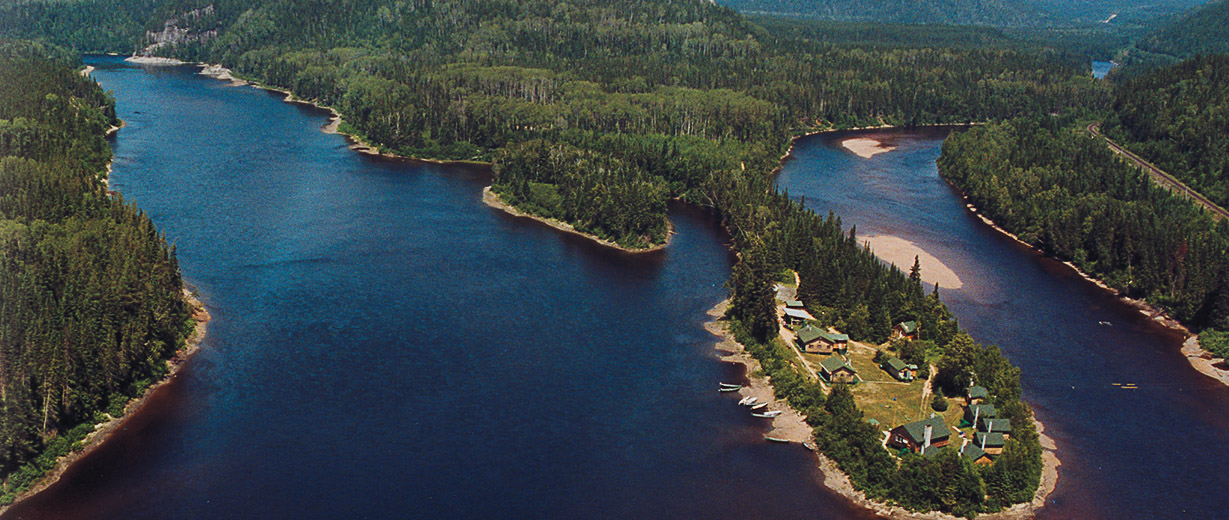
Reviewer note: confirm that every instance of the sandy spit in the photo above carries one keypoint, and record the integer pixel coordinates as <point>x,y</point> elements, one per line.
<point>104,430</point>
<point>154,60</point>
<point>85,73</point>
<point>1201,360</point>
<point>901,252</point>
<point>490,198</point>
<point>865,147</point>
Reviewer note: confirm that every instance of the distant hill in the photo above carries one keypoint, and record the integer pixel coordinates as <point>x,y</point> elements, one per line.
<point>1002,13</point>
<point>1203,31</point>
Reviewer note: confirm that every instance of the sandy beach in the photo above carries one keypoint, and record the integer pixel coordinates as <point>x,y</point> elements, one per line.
<point>901,253</point>
<point>490,198</point>
<point>104,430</point>
<point>865,147</point>
<point>154,60</point>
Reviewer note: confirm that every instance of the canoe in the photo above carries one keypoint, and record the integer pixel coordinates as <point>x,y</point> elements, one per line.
<point>749,401</point>
<point>775,439</point>
<point>759,406</point>
<point>773,413</point>
<point>727,389</point>
<point>728,385</point>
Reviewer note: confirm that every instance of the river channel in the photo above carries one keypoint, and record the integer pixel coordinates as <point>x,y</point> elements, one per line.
<point>386,346</point>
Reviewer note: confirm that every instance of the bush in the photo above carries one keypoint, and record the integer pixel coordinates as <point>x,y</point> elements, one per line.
<point>939,404</point>
<point>116,407</point>
<point>1216,342</point>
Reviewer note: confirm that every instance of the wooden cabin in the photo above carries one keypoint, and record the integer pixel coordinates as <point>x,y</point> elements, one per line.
<point>977,395</point>
<point>991,443</point>
<point>818,341</point>
<point>993,425</point>
<point>917,436</point>
<point>836,370</point>
<point>975,454</point>
<point>899,369</point>
<point>976,412</point>
<point>905,329</point>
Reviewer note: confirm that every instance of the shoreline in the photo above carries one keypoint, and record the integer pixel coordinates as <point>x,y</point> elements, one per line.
<point>102,431</point>
<point>217,71</point>
<point>791,426</point>
<point>1200,360</point>
<point>492,199</point>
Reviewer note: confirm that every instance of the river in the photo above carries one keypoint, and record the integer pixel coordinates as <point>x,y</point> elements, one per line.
<point>384,345</point>
<point>1158,451</point>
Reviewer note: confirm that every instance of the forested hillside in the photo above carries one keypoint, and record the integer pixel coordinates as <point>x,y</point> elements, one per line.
<point>1201,32</point>
<point>599,112</point>
<point>1065,192</point>
<point>1178,118</point>
<point>91,293</point>
<point>1002,13</point>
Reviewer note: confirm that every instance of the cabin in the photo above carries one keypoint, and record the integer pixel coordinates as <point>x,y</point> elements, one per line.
<point>977,395</point>
<point>976,412</point>
<point>917,436</point>
<point>794,304</point>
<point>975,455</point>
<point>797,317</point>
<point>818,341</point>
<point>992,425</point>
<point>991,443</point>
<point>899,370</point>
<point>905,329</point>
<point>836,370</point>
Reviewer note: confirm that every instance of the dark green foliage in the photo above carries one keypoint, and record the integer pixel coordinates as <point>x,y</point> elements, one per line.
<point>1203,31</point>
<point>1066,193</point>
<point>938,404</point>
<point>90,291</point>
<point>1216,342</point>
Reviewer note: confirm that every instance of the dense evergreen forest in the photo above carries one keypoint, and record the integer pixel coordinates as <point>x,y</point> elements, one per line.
<point>1001,13</point>
<point>1201,32</point>
<point>90,303</point>
<point>1178,118</point>
<point>597,113</point>
<point>1049,182</point>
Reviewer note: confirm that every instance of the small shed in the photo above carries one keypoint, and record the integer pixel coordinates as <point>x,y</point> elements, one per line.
<point>977,394</point>
<point>919,435</point>
<point>905,329</point>
<point>976,412</point>
<point>899,369</point>
<point>836,370</point>
<point>797,316</point>
<point>992,443</point>
<point>794,304</point>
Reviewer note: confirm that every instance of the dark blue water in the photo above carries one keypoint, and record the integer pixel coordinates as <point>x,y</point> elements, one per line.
<point>1156,452</point>
<point>383,345</point>
<point>1100,69</point>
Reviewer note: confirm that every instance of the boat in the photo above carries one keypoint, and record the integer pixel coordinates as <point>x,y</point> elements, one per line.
<point>772,413</point>
<point>759,406</point>
<point>749,401</point>
<point>775,439</point>
<point>728,385</point>
<point>728,389</point>
<point>762,415</point>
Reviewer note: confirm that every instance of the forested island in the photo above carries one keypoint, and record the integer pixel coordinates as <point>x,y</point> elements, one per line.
<point>599,113</point>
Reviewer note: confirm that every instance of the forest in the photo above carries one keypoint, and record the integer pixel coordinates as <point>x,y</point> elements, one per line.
<point>598,113</point>
<point>90,291</point>
<point>1050,183</point>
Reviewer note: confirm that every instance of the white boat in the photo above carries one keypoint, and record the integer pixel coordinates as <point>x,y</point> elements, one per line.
<point>729,385</point>
<point>759,406</point>
<point>774,439</point>
<point>749,401</point>
<point>728,389</point>
<point>772,413</point>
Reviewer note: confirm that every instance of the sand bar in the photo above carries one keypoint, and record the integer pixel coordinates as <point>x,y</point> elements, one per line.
<point>901,252</point>
<point>866,147</point>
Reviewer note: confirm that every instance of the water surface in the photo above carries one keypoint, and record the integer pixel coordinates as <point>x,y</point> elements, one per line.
<point>1159,451</point>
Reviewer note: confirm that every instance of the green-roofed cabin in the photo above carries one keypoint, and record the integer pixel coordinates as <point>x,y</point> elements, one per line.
<point>836,370</point>
<point>796,317</point>
<point>917,435</point>
<point>905,329</point>
<point>977,395</point>
<point>975,455</point>
<point>899,369</point>
<point>992,443</point>
<point>818,341</point>
<point>976,412</point>
<point>794,304</point>
<point>993,425</point>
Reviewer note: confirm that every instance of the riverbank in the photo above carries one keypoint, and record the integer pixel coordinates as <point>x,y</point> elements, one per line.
<point>791,426</point>
<point>1201,360</point>
<point>492,199</point>
<point>102,431</point>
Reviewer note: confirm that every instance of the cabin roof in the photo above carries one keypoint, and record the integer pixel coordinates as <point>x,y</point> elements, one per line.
<point>984,410</point>
<point>794,304</point>
<point>917,430</point>
<point>993,440</point>
<point>809,333</point>
<point>908,327</point>
<point>994,425</point>
<point>833,336</point>
<point>973,452</point>
<point>978,392</point>
<point>798,313</point>
<point>833,363</point>
<point>896,364</point>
